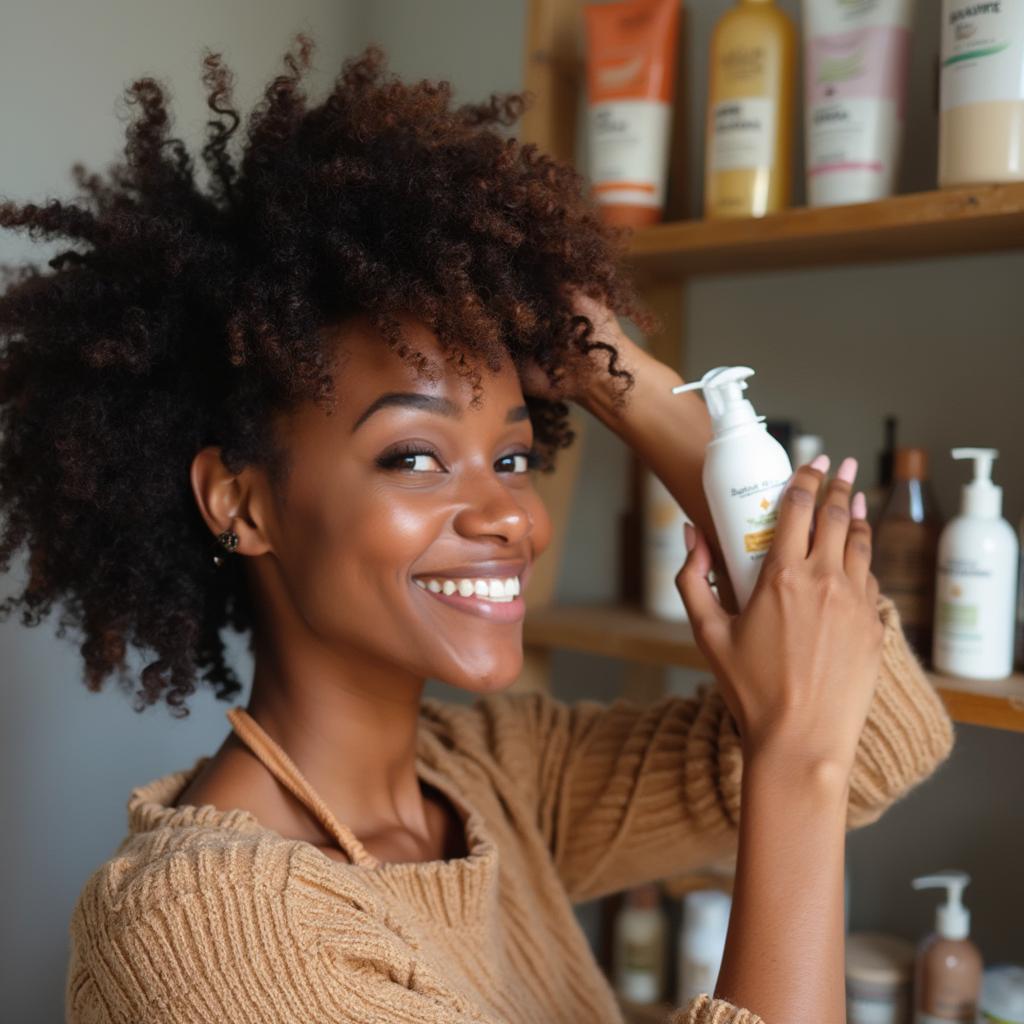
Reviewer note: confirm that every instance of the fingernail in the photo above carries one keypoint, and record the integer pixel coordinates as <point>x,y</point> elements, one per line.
<point>847,470</point>
<point>859,506</point>
<point>688,536</point>
<point>821,463</point>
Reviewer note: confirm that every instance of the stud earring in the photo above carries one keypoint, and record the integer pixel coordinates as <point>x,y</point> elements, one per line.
<point>229,540</point>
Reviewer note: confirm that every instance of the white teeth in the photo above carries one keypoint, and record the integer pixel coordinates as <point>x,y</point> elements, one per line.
<point>489,588</point>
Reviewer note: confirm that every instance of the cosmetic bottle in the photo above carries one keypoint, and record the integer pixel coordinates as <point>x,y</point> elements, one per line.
<point>664,551</point>
<point>1019,643</point>
<point>981,94</point>
<point>947,975</point>
<point>856,57</point>
<point>875,497</point>
<point>745,471</point>
<point>749,131</point>
<point>702,942</point>
<point>906,540</point>
<point>641,932</point>
<point>879,969</point>
<point>1002,995</point>
<point>976,590</point>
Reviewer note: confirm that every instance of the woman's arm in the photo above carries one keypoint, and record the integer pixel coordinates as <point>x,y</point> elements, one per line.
<point>798,669</point>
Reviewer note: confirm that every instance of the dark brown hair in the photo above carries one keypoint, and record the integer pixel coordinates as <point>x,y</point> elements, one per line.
<point>185,315</point>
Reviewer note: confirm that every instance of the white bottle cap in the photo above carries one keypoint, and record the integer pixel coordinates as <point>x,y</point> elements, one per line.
<point>723,389</point>
<point>980,499</point>
<point>952,918</point>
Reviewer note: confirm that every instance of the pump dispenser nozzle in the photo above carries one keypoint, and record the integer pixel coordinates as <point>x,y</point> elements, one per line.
<point>723,389</point>
<point>952,918</point>
<point>981,497</point>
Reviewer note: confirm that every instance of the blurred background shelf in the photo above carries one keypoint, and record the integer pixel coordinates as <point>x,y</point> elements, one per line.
<point>654,1013</point>
<point>629,634</point>
<point>945,222</point>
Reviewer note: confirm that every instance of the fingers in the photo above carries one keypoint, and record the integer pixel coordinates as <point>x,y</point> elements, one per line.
<point>796,511</point>
<point>832,523</point>
<point>706,615</point>
<point>857,558</point>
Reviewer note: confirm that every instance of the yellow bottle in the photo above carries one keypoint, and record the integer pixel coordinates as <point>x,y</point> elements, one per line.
<point>748,168</point>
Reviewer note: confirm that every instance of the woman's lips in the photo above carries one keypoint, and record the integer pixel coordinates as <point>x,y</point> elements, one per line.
<point>495,611</point>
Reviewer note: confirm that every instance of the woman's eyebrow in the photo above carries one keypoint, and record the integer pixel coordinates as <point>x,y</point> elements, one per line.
<point>428,403</point>
<point>415,399</point>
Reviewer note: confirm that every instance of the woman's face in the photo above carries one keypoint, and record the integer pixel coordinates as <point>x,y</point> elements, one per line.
<point>403,505</point>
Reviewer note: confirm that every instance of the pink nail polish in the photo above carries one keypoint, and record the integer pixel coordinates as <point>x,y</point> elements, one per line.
<point>847,470</point>
<point>821,463</point>
<point>859,506</point>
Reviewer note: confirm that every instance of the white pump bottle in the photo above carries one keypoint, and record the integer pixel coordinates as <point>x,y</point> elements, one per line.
<point>976,590</point>
<point>745,471</point>
<point>947,976</point>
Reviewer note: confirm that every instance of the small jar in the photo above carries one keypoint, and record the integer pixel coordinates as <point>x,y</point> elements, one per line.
<point>878,973</point>
<point>1002,995</point>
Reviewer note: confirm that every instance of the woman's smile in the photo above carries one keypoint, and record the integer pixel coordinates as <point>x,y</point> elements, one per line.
<point>492,590</point>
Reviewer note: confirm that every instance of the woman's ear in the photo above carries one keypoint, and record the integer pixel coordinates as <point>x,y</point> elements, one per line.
<point>229,501</point>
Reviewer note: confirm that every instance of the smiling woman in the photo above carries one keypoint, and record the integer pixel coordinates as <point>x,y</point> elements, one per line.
<point>342,361</point>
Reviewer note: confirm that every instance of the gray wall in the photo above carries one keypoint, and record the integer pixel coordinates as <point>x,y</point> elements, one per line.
<point>845,347</point>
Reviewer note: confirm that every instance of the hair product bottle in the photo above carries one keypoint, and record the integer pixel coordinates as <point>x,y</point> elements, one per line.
<point>906,539</point>
<point>745,471</point>
<point>664,551</point>
<point>631,78</point>
<point>856,60</point>
<point>702,942</point>
<point>976,591</point>
<point>749,134</point>
<point>641,933</point>
<point>947,976</point>
<point>981,125</point>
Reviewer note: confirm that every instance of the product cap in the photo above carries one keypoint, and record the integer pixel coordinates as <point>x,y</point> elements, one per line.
<point>910,464</point>
<point>952,918</point>
<point>981,498</point>
<point>707,909</point>
<point>875,959</point>
<point>723,389</point>
<point>1002,994</point>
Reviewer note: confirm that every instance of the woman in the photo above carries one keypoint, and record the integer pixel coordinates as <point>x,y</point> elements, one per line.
<point>341,361</point>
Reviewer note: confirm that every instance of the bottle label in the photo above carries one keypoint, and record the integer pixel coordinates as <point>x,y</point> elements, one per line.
<point>982,52</point>
<point>855,98</point>
<point>904,563</point>
<point>974,611</point>
<point>629,151</point>
<point>742,133</point>
<point>761,513</point>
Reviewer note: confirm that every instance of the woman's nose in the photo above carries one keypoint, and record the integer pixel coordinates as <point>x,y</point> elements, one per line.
<point>496,513</point>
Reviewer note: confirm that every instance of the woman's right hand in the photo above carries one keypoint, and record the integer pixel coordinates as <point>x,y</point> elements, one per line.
<point>798,666</point>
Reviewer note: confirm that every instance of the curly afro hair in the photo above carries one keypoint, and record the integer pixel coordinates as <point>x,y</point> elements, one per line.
<point>185,316</point>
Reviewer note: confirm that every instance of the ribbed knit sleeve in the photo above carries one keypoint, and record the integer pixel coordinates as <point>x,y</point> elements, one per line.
<point>627,793</point>
<point>706,1010</point>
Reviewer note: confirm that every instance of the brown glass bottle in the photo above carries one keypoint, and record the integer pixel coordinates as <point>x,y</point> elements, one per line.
<point>906,539</point>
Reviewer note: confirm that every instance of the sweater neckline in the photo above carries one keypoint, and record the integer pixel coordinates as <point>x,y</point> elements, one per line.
<point>150,807</point>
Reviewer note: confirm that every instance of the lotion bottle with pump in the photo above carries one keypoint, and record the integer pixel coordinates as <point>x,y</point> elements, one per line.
<point>745,472</point>
<point>947,978</point>
<point>976,590</point>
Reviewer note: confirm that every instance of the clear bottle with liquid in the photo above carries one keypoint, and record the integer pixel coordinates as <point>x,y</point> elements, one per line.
<point>905,544</point>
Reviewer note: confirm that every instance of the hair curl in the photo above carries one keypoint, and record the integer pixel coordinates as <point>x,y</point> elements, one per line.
<point>185,316</point>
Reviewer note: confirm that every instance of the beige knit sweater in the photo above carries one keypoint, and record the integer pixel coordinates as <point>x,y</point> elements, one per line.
<point>203,915</point>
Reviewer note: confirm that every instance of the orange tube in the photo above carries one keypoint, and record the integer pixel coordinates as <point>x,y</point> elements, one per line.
<point>631,72</point>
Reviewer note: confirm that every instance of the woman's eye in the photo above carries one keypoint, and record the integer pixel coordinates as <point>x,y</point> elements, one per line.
<point>414,461</point>
<point>521,462</point>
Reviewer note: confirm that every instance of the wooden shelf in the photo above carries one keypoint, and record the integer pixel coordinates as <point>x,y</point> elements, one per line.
<point>947,222</point>
<point>654,1013</point>
<point>631,635</point>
